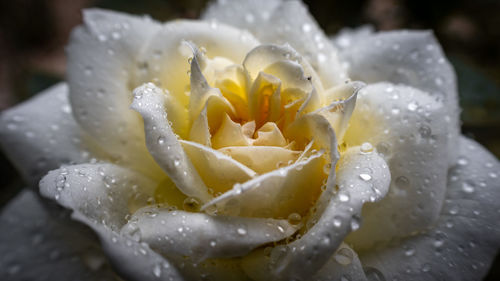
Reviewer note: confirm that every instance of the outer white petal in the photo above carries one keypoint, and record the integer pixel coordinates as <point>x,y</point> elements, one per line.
<point>201,236</point>
<point>105,193</point>
<point>343,265</point>
<point>282,22</point>
<point>41,134</point>
<point>362,177</point>
<point>162,142</point>
<point>38,246</point>
<point>413,58</point>
<point>409,128</point>
<point>463,243</point>
<point>132,260</point>
<point>102,61</point>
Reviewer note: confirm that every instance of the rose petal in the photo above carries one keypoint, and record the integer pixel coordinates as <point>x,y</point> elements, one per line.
<point>230,133</point>
<point>218,171</point>
<point>282,60</point>
<point>339,110</point>
<point>463,243</point>
<point>275,194</point>
<point>413,58</point>
<point>409,128</point>
<point>202,95</point>
<point>261,159</point>
<point>130,259</point>
<point>38,246</point>
<point>200,131</point>
<point>280,22</point>
<point>100,72</point>
<point>362,177</point>
<point>163,145</point>
<point>166,56</point>
<point>102,192</point>
<point>41,134</point>
<point>343,265</point>
<point>201,236</point>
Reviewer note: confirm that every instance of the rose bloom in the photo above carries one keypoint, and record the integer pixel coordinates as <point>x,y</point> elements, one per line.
<point>248,146</point>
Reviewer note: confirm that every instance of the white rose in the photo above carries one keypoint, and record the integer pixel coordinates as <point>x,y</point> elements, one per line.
<point>239,147</point>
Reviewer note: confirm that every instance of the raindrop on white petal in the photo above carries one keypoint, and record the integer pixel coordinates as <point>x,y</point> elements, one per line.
<point>365,177</point>
<point>344,256</point>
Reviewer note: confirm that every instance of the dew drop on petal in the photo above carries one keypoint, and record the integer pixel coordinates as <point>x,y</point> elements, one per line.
<point>402,182</point>
<point>191,204</point>
<point>355,223</point>
<point>157,271</point>
<point>412,106</point>
<point>425,131</point>
<point>337,221</point>
<point>344,256</point>
<point>468,187</point>
<point>462,161</point>
<point>373,274</point>
<point>241,231</point>
<point>344,197</point>
<point>294,218</point>
<point>365,177</point>
<point>366,148</point>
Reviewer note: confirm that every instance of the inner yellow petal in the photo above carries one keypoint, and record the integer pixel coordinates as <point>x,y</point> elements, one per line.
<point>261,159</point>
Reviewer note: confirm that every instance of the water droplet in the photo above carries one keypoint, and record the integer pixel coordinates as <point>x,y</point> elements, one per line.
<point>355,223</point>
<point>306,27</point>
<point>241,231</point>
<point>373,274</point>
<point>337,221</point>
<point>365,177</point>
<point>177,162</point>
<point>294,218</point>
<point>161,140</point>
<point>344,256</point>
<point>191,204</point>
<point>157,271</point>
<point>426,267</point>
<point>395,111</point>
<point>468,187</point>
<point>344,197</point>
<point>213,243</point>
<point>327,168</point>
<point>462,161</point>
<point>412,106</point>
<point>454,210</point>
<point>366,148</point>
<point>425,131</point>
<point>438,242</point>
<point>409,252</point>
<point>402,182</point>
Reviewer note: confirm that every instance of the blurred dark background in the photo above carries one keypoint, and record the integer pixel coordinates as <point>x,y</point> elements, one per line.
<point>33,34</point>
